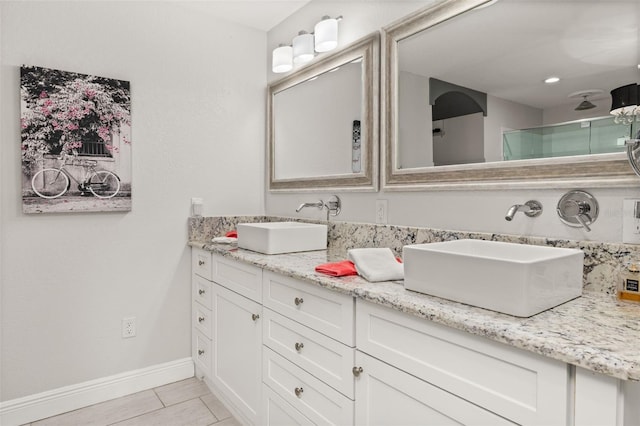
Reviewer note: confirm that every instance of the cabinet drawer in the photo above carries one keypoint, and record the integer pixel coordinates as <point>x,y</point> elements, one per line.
<point>201,353</point>
<point>201,263</point>
<point>515,384</point>
<point>328,312</point>
<point>239,277</point>
<point>278,412</point>
<point>388,396</point>
<point>202,292</point>
<point>315,400</point>
<point>325,358</point>
<point>201,319</point>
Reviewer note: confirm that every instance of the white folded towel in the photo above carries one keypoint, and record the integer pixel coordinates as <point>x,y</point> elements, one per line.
<point>224,240</point>
<point>376,264</point>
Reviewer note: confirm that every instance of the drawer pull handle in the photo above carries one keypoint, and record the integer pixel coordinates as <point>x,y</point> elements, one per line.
<point>201,292</point>
<point>298,301</point>
<point>299,346</point>
<point>200,319</point>
<point>357,371</point>
<point>200,262</point>
<point>298,392</point>
<point>200,352</point>
<point>255,317</point>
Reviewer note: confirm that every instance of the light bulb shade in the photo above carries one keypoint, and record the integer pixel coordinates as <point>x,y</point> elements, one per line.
<point>326,32</point>
<point>624,99</point>
<point>303,48</point>
<point>282,59</point>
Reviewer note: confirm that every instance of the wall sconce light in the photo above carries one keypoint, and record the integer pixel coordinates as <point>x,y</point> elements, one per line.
<point>304,45</point>
<point>624,104</point>
<point>303,48</point>
<point>326,34</point>
<point>282,59</point>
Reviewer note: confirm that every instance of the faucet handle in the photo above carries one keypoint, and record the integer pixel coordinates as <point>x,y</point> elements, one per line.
<point>578,209</point>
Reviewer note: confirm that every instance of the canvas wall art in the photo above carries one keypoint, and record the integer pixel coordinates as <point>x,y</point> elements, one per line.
<point>76,142</point>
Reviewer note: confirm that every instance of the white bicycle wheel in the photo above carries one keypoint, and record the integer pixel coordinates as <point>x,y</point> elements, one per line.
<point>50,183</point>
<point>104,184</point>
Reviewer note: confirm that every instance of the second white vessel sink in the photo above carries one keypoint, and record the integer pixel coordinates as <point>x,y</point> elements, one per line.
<point>282,237</point>
<point>515,279</point>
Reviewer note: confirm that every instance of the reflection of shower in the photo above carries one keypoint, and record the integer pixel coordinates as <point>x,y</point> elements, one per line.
<point>584,94</point>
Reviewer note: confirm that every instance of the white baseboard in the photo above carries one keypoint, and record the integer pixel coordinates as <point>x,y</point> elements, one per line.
<point>57,401</point>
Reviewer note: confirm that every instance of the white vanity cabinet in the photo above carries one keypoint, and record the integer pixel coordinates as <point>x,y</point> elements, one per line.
<point>440,371</point>
<point>308,356</point>
<point>227,331</point>
<point>281,351</point>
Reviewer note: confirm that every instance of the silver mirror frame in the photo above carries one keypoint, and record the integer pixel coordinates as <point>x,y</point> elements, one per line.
<point>367,48</point>
<point>601,170</point>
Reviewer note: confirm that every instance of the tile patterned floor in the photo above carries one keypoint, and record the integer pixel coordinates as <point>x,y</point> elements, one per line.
<point>187,402</point>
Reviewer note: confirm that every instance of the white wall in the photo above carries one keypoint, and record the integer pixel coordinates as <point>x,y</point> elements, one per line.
<point>198,117</point>
<point>415,127</point>
<point>480,210</point>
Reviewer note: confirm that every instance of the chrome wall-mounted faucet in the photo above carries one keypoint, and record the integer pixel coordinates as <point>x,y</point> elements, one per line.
<point>319,205</point>
<point>531,208</point>
<point>334,205</point>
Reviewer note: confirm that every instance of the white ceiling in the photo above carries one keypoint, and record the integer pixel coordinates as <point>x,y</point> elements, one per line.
<point>259,14</point>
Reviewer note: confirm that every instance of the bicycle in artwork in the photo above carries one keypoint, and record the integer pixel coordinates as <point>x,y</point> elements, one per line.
<point>54,182</point>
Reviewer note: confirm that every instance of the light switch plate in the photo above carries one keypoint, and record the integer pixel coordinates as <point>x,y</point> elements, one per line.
<point>631,223</point>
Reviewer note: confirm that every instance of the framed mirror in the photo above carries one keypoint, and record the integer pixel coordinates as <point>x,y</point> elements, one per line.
<point>465,103</point>
<point>323,123</point>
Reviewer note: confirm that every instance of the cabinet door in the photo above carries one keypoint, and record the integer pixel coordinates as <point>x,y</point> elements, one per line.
<point>278,412</point>
<point>237,351</point>
<point>524,387</point>
<point>388,396</point>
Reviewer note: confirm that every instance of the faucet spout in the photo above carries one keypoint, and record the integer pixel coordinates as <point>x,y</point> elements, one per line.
<point>515,209</point>
<point>319,205</point>
<point>531,208</point>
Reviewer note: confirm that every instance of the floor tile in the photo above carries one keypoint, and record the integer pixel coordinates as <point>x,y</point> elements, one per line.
<point>192,413</point>
<point>181,391</point>
<point>216,407</point>
<point>228,422</point>
<point>107,412</point>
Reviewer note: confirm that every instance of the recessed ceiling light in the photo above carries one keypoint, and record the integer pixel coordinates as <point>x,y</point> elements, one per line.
<point>551,80</point>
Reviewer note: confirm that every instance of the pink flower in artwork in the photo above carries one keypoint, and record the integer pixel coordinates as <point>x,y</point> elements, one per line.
<point>43,95</point>
<point>72,126</point>
<point>111,148</point>
<point>56,125</point>
<point>104,133</point>
<point>48,102</point>
<point>45,110</point>
<point>90,93</point>
<point>23,123</point>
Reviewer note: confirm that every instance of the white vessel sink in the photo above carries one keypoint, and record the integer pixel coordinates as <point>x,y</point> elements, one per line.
<point>515,279</point>
<point>282,237</point>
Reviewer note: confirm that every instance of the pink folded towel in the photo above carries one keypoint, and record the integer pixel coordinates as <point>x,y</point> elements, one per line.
<point>337,269</point>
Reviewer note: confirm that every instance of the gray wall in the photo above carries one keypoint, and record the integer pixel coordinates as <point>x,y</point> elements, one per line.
<point>198,119</point>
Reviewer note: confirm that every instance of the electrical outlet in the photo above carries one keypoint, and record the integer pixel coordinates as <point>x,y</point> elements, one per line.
<point>631,221</point>
<point>381,211</point>
<point>128,327</point>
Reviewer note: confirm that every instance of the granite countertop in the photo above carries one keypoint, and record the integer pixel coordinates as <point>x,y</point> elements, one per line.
<point>594,331</point>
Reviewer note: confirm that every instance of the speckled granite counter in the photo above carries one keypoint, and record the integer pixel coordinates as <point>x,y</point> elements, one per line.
<point>594,331</point>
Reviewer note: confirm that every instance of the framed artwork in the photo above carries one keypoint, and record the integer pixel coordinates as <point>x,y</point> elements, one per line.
<point>76,142</point>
